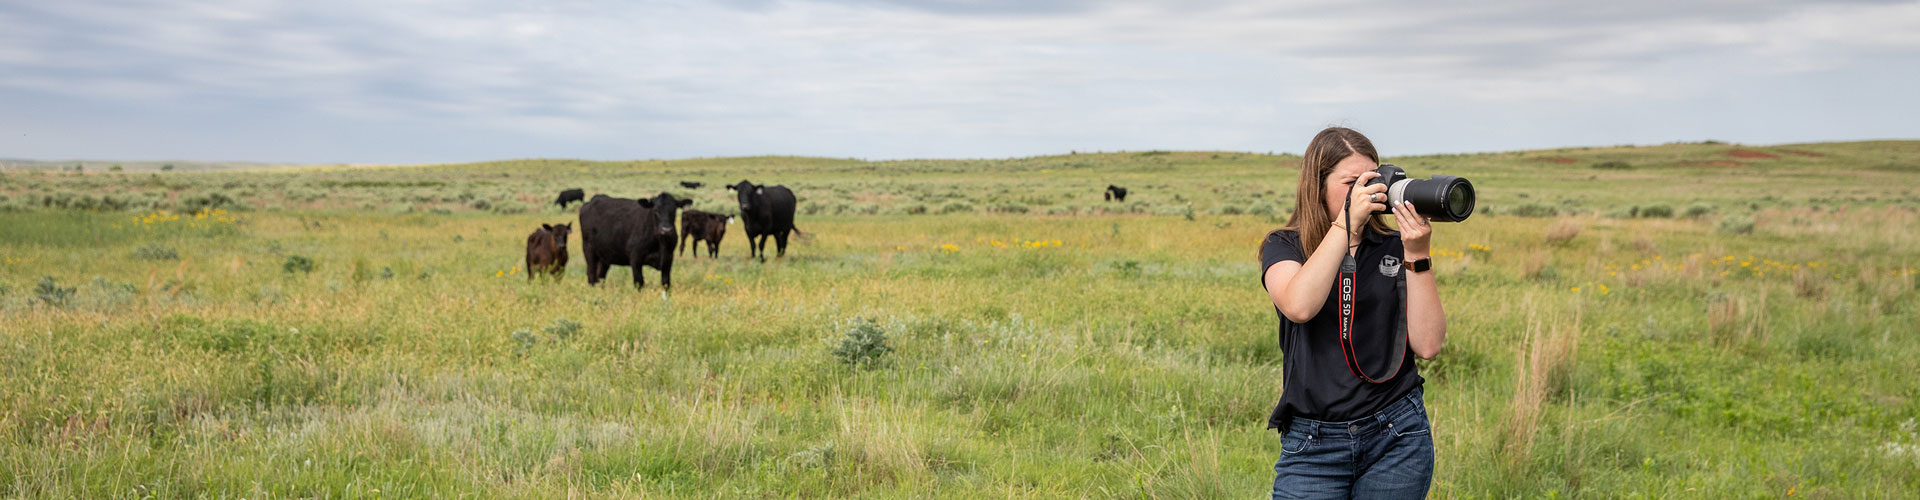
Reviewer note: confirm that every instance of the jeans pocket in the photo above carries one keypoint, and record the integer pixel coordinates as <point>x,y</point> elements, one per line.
<point>1413,424</point>
<point>1294,443</point>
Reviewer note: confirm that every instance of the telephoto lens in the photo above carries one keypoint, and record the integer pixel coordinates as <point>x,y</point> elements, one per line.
<point>1443,198</point>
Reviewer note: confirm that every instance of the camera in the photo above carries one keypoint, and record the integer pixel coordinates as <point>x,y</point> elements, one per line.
<point>1443,198</point>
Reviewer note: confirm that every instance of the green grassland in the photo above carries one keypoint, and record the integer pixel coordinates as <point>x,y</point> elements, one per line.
<point>1688,320</point>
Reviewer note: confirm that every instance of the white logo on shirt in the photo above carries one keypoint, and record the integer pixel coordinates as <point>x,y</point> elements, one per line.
<point>1390,266</point>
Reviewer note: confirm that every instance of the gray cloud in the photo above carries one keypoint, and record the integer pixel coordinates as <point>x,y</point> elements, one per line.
<point>877,78</point>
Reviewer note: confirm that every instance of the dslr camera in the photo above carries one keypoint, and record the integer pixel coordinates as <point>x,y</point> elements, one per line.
<point>1443,198</point>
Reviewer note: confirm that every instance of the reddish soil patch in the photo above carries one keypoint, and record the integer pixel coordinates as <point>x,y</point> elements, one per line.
<point>1748,153</point>
<point>1558,159</point>
<point>1808,154</point>
<point>1718,163</point>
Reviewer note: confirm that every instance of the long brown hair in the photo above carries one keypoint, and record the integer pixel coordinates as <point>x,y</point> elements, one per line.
<point>1310,216</point>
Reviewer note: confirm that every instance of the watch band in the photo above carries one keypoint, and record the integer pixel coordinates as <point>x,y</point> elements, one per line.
<point>1420,265</point>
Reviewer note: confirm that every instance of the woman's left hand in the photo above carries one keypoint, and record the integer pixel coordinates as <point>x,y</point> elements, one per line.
<point>1416,232</point>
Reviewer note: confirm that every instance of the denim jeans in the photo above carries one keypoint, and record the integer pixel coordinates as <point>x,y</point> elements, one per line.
<point>1386,455</point>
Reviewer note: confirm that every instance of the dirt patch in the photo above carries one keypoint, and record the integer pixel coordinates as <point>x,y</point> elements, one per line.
<point>1808,154</point>
<point>1557,159</point>
<point>1748,153</point>
<point>1715,163</point>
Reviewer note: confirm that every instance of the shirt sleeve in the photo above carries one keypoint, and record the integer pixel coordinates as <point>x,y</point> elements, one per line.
<point>1279,246</point>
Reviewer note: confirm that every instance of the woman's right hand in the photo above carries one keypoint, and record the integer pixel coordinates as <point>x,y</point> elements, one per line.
<point>1362,202</point>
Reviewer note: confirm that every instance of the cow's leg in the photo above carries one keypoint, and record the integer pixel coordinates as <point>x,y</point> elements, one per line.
<point>637,261</point>
<point>683,244</point>
<point>593,267</point>
<point>780,240</point>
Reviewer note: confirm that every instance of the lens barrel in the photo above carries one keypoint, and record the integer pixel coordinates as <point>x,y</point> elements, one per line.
<point>1444,198</point>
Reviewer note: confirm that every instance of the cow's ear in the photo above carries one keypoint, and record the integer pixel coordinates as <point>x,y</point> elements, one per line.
<point>731,188</point>
<point>684,203</point>
<point>548,227</point>
<point>759,190</point>
<point>645,203</point>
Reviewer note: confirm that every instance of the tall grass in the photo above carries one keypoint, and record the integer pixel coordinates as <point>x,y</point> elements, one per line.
<point>1096,352</point>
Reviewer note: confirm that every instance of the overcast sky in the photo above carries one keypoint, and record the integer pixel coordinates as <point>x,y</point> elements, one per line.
<point>413,81</point>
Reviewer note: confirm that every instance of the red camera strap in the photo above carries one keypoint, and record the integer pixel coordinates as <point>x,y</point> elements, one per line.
<point>1346,284</point>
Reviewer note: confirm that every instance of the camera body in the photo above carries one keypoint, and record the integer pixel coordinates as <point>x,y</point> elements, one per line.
<point>1443,198</point>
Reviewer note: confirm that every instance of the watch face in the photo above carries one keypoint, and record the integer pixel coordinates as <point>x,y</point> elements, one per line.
<point>1420,265</point>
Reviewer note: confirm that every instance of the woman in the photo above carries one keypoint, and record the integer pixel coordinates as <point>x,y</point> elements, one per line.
<point>1351,417</point>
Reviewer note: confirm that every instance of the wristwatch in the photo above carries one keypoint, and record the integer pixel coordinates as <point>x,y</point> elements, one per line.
<point>1420,265</point>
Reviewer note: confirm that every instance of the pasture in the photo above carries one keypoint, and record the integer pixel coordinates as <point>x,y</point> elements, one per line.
<point>1694,320</point>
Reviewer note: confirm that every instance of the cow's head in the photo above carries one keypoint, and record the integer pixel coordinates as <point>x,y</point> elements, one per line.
<point>748,193</point>
<point>665,208</point>
<point>560,233</point>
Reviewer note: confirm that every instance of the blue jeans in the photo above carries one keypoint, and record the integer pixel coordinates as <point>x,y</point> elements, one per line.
<point>1385,455</point>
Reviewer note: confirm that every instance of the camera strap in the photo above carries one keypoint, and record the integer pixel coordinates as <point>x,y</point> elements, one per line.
<point>1348,270</point>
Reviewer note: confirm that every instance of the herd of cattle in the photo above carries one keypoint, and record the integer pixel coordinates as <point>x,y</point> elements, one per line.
<point>635,233</point>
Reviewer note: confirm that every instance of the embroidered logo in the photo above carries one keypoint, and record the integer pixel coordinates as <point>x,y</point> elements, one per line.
<point>1390,266</point>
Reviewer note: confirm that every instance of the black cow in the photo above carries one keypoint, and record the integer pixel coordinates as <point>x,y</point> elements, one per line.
<point>766,211</point>
<point>1116,193</point>
<point>570,196</point>
<point>692,185</point>
<point>703,226</point>
<point>623,232</point>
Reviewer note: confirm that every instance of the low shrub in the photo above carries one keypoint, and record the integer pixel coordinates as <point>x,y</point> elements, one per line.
<point>154,251</point>
<point>863,344</point>
<point>297,264</point>
<point>1534,210</point>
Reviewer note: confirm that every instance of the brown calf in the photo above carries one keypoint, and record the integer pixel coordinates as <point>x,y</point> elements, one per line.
<point>700,226</point>
<point>547,250</point>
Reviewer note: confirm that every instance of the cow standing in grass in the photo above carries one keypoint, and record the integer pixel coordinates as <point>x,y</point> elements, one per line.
<point>570,196</point>
<point>699,226</point>
<point>765,211</point>
<point>1116,193</point>
<point>623,232</point>
<point>547,250</point>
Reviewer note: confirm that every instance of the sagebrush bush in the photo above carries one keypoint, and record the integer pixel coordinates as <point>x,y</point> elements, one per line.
<point>51,293</point>
<point>297,264</point>
<point>1007,207</point>
<point>153,251</point>
<point>208,201</point>
<point>863,344</point>
<point>1534,210</point>
<point>1656,211</point>
<point>563,329</point>
<point>1736,224</point>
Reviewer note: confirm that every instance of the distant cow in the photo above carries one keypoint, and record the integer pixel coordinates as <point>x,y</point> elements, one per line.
<point>570,196</point>
<point>623,232</point>
<point>1116,193</point>
<point>692,185</point>
<point>766,211</point>
<point>699,226</point>
<point>547,250</point>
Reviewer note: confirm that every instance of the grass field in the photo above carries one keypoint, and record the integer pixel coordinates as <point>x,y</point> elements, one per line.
<point>1689,320</point>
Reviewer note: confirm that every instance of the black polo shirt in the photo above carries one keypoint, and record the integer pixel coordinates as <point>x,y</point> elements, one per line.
<point>1317,383</point>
